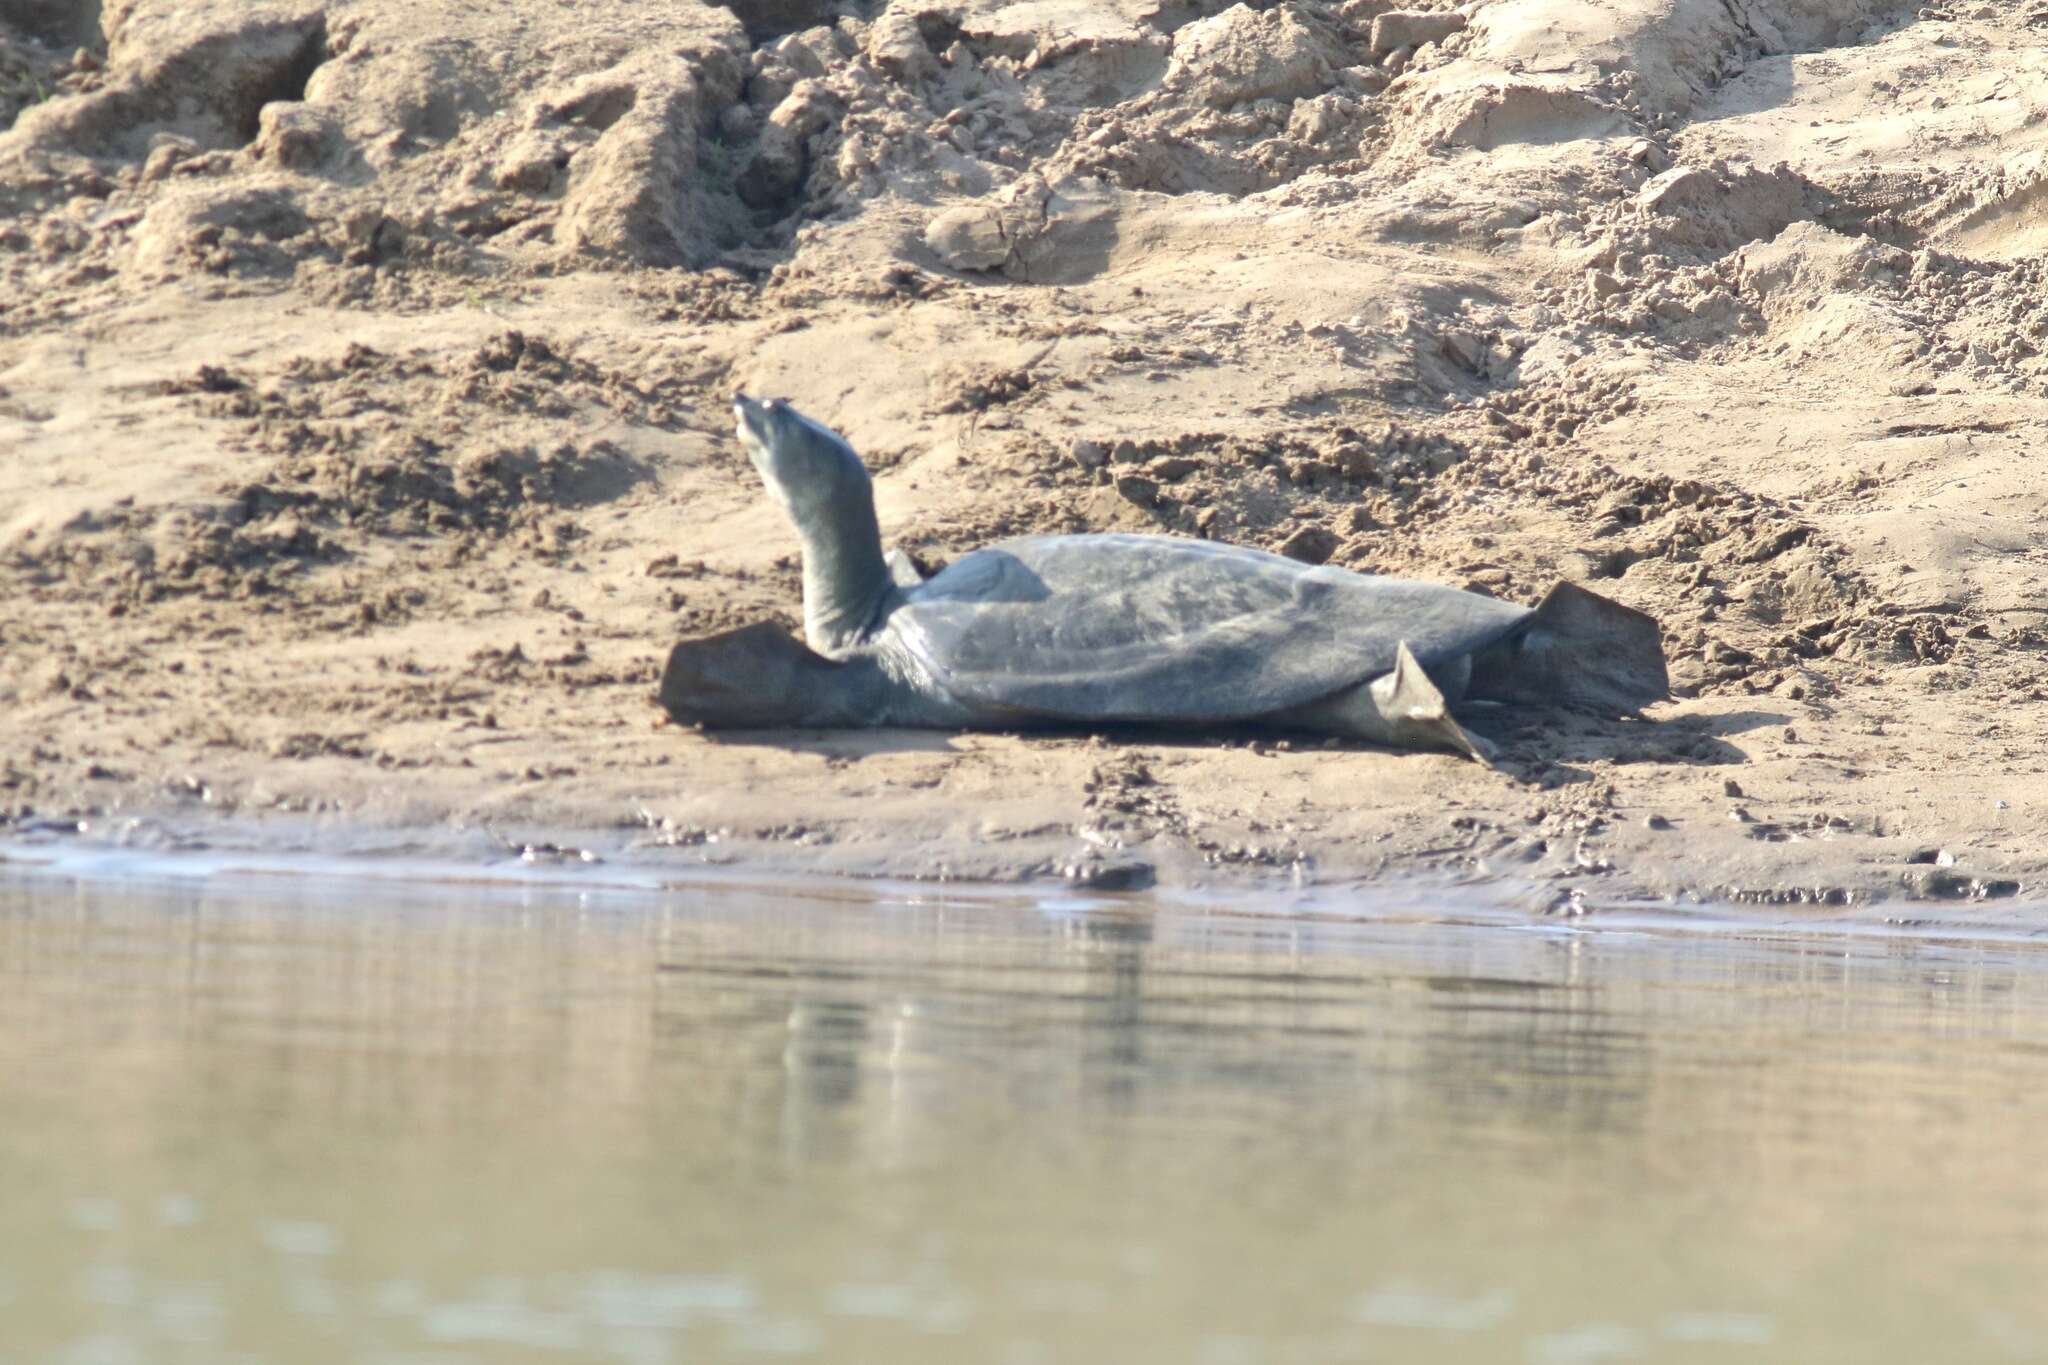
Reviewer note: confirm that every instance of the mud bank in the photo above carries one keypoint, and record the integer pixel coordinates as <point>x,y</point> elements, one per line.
<point>364,444</point>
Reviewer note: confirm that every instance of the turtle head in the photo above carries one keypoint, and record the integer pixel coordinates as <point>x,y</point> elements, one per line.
<point>807,466</point>
<point>759,677</point>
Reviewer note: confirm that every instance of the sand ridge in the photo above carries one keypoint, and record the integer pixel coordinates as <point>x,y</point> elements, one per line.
<point>364,371</point>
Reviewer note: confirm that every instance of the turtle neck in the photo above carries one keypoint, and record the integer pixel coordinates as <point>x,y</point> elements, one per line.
<point>846,579</point>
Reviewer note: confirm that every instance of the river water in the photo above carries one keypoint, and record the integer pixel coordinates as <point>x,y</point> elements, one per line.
<point>304,1119</point>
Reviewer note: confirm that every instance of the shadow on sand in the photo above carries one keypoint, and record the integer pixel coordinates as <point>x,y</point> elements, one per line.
<point>848,745</point>
<point>1530,742</point>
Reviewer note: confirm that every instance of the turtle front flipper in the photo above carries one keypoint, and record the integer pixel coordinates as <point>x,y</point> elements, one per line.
<point>759,677</point>
<point>1402,709</point>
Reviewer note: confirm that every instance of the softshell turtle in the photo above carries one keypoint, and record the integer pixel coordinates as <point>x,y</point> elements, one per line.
<point>1129,629</point>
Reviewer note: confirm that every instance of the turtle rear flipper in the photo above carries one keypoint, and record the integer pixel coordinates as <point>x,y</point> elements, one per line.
<point>1401,708</point>
<point>1581,649</point>
<point>903,570</point>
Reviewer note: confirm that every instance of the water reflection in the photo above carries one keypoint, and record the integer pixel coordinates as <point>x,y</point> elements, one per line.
<point>370,1123</point>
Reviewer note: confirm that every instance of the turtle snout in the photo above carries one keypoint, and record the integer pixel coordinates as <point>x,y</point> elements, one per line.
<point>755,427</point>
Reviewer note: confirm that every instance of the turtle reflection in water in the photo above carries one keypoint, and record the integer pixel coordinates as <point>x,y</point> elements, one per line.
<point>1130,629</point>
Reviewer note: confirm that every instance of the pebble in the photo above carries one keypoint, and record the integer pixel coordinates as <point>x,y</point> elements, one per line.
<point>1655,822</point>
<point>1942,884</point>
<point>1647,153</point>
<point>968,239</point>
<point>1097,875</point>
<point>1571,904</point>
<point>1939,884</point>
<point>1311,545</point>
<point>1411,28</point>
<point>895,45</point>
<point>1136,489</point>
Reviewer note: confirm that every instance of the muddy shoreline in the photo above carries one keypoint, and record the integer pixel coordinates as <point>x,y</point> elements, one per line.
<point>364,441</point>
<point>1105,814</point>
<point>621,870</point>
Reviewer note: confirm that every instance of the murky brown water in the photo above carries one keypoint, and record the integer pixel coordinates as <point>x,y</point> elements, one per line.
<point>273,1120</point>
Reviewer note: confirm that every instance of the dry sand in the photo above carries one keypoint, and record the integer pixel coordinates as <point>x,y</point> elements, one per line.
<point>364,371</point>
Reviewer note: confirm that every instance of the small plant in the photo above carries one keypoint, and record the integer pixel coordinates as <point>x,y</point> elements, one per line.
<point>24,86</point>
<point>716,158</point>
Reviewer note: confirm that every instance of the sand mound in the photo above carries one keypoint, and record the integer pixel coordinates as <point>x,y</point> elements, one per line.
<point>564,135</point>
<point>196,72</point>
<point>1999,215</point>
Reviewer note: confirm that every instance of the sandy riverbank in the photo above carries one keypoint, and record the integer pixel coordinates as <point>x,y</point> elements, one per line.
<point>364,440</point>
